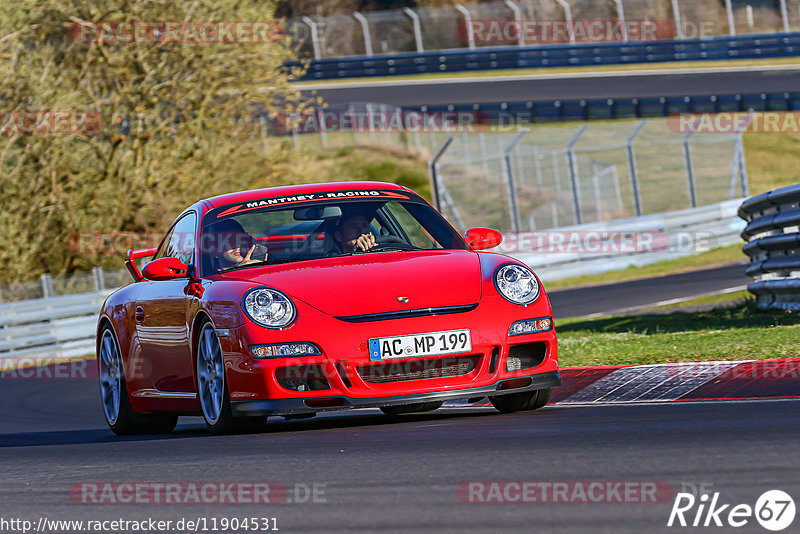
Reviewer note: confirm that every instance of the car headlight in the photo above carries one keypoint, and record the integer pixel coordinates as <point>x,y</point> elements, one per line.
<point>516,283</point>
<point>268,307</point>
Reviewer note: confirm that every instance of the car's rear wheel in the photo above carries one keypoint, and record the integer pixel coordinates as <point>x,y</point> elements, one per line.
<point>417,407</point>
<point>114,395</point>
<point>526,400</point>
<point>212,388</point>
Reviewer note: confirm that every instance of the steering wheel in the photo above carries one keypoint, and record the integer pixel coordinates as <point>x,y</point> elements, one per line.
<point>388,242</point>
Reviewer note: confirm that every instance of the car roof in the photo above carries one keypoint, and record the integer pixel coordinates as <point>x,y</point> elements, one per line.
<point>254,194</point>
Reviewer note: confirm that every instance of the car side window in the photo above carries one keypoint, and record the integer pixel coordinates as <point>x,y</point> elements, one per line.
<point>179,242</point>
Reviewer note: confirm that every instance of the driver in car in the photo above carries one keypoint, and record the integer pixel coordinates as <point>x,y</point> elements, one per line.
<point>235,246</point>
<point>354,233</point>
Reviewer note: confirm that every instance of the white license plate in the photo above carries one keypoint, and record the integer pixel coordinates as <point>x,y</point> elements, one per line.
<point>416,345</point>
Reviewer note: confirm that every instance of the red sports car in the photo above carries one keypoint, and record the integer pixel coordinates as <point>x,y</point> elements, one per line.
<point>294,300</point>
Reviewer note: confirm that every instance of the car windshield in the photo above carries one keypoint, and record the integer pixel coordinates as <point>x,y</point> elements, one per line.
<point>248,235</point>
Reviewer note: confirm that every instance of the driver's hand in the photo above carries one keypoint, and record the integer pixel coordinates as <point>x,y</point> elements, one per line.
<point>247,259</point>
<point>364,242</point>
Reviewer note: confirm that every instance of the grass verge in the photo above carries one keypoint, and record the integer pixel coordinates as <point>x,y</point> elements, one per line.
<point>741,332</point>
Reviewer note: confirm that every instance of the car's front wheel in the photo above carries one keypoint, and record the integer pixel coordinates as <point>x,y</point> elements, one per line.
<point>526,400</point>
<point>114,395</point>
<point>212,388</point>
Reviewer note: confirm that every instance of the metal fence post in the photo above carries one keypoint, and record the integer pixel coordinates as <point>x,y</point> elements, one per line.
<point>735,162</point>
<point>365,30</point>
<point>731,24</point>
<point>99,281</point>
<point>689,172</point>
<point>676,13</point>
<point>572,167</point>
<point>637,200</point>
<point>568,17</point>
<point>621,18</point>
<point>518,18</point>
<point>434,174</point>
<point>512,189</point>
<point>598,203</point>
<point>47,285</point>
<point>743,168</point>
<point>785,16</point>
<point>417,28</point>
<point>468,21</point>
<point>314,36</point>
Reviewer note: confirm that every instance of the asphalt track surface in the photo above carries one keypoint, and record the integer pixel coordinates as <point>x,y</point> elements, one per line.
<point>622,296</point>
<point>663,83</point>
<point>401,476</point>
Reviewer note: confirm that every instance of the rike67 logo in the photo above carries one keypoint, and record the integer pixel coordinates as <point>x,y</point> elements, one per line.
<point>774,510</point>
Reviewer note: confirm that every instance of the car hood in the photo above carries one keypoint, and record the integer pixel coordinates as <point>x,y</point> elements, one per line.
<point>374,283</point>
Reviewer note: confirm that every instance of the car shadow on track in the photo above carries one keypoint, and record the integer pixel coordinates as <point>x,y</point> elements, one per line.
<point>273,426</point>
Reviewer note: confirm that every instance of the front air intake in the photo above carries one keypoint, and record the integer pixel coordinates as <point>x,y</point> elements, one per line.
<point>403,370</point>
<point>526,356</point>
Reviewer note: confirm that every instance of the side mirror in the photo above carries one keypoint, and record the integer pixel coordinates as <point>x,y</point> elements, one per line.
<point>483,238</point>
<point>165,269</point>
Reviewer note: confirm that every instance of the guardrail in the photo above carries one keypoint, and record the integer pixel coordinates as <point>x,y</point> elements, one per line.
<point>50,328</point>
<point>750,46</point>
<point>773,246</point>
<point>509,115</point>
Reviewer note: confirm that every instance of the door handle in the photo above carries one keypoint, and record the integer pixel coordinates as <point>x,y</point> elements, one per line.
<point>139,314</point>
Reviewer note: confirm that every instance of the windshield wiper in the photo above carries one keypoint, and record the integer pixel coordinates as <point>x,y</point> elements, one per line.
<point>381,249</point>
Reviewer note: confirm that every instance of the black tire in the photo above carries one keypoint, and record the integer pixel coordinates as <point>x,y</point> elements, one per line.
<point>417,407</point>
<point>541,399</point>
<point>526,400</point>
<point>125,421</point>
<point>224,422</point>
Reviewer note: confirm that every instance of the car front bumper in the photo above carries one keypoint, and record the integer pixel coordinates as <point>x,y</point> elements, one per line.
<point>291,406</point>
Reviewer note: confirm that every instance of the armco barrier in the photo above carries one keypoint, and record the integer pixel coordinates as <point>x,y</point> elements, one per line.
<point>510,115</point>
<point>773,245</point>
<point>749,46</point>
<point>45,329</point>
